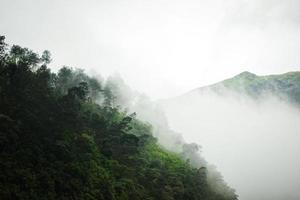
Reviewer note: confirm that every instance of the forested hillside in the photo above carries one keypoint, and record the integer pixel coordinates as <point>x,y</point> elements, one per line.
<point>62,136</point>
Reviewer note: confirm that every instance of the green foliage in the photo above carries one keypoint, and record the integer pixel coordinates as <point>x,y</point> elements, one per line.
<point>284,86</point>
<point>56,142</point>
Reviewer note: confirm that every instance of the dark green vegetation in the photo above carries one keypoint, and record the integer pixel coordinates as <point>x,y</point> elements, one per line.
<point>56,142</point>
<point>286,86</point>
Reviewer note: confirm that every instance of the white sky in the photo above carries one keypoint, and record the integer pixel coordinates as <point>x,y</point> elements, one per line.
<point>160,47</point>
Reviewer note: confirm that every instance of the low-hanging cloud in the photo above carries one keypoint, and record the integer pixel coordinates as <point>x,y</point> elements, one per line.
<point>254,143</point>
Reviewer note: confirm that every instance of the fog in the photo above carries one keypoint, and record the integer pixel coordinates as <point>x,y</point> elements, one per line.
<point>164,48</point>
<point>161,47</point>
<point>254,143</point>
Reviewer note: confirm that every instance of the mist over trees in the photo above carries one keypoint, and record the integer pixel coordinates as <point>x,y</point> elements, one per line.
<point>67,135</point>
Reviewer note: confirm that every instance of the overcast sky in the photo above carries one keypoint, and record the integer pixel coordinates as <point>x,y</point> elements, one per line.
<point>163,47</point>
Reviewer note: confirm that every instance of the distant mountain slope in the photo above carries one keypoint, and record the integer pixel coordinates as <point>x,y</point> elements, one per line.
<point>285,85</point>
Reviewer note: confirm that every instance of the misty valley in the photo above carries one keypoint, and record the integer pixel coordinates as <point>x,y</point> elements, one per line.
<point>67,134</point>
<point>248,127</point>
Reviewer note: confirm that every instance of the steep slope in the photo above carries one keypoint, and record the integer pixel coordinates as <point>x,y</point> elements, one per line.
<point>62,136</point>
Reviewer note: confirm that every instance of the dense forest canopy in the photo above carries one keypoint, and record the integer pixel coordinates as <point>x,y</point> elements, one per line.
<point>65,135</point>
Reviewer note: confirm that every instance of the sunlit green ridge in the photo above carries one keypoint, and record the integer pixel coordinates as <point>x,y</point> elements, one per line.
<point>285,85</point>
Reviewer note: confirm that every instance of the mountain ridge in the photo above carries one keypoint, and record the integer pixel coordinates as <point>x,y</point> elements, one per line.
<point>285,85</point>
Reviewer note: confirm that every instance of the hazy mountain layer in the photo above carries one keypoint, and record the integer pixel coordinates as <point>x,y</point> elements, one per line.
<point>283,85</point>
